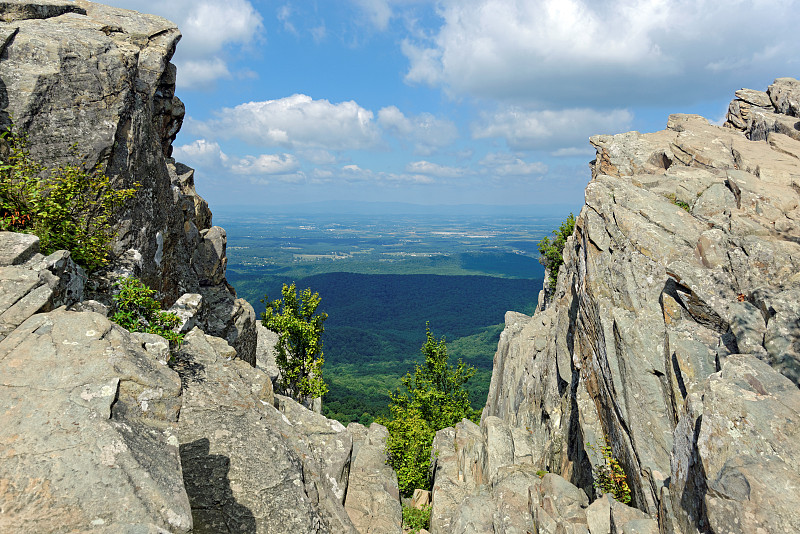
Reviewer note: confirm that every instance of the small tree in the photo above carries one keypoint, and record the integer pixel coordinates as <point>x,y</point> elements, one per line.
<point>433,398</point>
<point>552,252</point>
<point>299,346</point>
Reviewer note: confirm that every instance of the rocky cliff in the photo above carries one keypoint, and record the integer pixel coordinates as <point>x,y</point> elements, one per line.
<point>100,79</point>
<point>100,429</point>
<point>673,335</point>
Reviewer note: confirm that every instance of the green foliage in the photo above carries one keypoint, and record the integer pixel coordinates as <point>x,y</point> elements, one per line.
<point>136,310</point>
<point>429,400</point>
<point>67,207</point>
<point>680,203</point>
<point>609,477</point>
<point>415,519</point>
<point>299,346</point>
<point>552,252</point>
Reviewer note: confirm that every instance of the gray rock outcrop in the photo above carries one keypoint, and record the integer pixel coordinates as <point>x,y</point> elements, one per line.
<point>674,325</point>
<point>88,431</point>
<point>80,71</point>
<point>31,283</point>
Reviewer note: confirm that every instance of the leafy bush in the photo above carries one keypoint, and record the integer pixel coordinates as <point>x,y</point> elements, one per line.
<point>299,346</point>
<point>434,398</point>
<point>609,477</point>
<point>67,207</point>
<point>415,519</point>
<point>136,310</point>
<point>552,252</point>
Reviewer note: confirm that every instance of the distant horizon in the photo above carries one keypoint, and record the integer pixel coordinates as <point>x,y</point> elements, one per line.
<point>445,102</point>
<point>366,207</point>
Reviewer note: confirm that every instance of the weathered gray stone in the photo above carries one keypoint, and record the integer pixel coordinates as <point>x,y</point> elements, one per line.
<point>245,466</point>
<point>598,515</point>
<point>209,258</point>
<point>785,96</point>
<point>90,306</point>
<point>116,64</point>
<point>39,285</point>
<point>757,98</point>
<point>630,520</point>
<point>739,458</point>
<point>265,351</point>
<point>685,255</point>
<point>421,498</point>
<point>373,494</point>
<point>230,318</point>
<point>88,437</point>
<point>17,248</point>
<point>187,308</point>
<point>327,438</point>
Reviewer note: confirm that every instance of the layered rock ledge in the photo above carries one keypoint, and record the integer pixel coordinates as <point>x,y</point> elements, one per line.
<point>673,333</point>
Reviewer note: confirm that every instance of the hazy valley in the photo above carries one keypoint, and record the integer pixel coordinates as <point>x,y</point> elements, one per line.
<point>382,277</point>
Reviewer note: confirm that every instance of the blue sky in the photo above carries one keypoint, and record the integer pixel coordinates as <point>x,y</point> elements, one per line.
<point>449,101</point>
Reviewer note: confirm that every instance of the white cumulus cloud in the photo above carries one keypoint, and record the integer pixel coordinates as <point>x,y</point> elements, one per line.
<point>607,51</point>
<point>527,130</point>
<point>200,153</point>
<point>266,164</point>
<point>434,169</point>
<point>297,121</point>
<point>425,131</point>
<point>507,164</point>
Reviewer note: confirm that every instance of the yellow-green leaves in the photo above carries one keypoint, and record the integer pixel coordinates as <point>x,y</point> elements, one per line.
<point>68,207</point>
<point>299,346</point>
<point>433,398</point>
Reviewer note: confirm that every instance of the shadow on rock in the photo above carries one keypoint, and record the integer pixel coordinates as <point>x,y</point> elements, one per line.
<point>214,509</point>
<point>188,369</point>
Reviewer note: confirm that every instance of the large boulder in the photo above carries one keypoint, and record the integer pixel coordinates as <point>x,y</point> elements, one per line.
<point>247,466</point>
<point>88,431</point>
<point>373,494</point>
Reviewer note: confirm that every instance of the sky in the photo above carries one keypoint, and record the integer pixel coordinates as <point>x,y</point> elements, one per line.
<point>448,101</point>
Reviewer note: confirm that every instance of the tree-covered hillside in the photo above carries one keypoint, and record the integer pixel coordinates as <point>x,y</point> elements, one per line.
<point>376,327</point>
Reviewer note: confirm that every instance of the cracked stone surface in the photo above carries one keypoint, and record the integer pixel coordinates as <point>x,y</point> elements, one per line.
<point>88,431</point>
<point>684,263</point>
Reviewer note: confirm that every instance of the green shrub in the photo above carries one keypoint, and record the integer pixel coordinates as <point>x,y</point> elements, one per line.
<point>434,398</point>
<point>415,518</point>
<point>609,477</point>
<point>136,310</point>
<point>552,252</point>
<point>67,207</point>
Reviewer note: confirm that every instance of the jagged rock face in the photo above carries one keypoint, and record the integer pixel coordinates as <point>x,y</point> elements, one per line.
<point>249,467</point>
<point>685,256</point>
<point>100,79</point>
<point>31,283</point>
<point>88,431</point>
